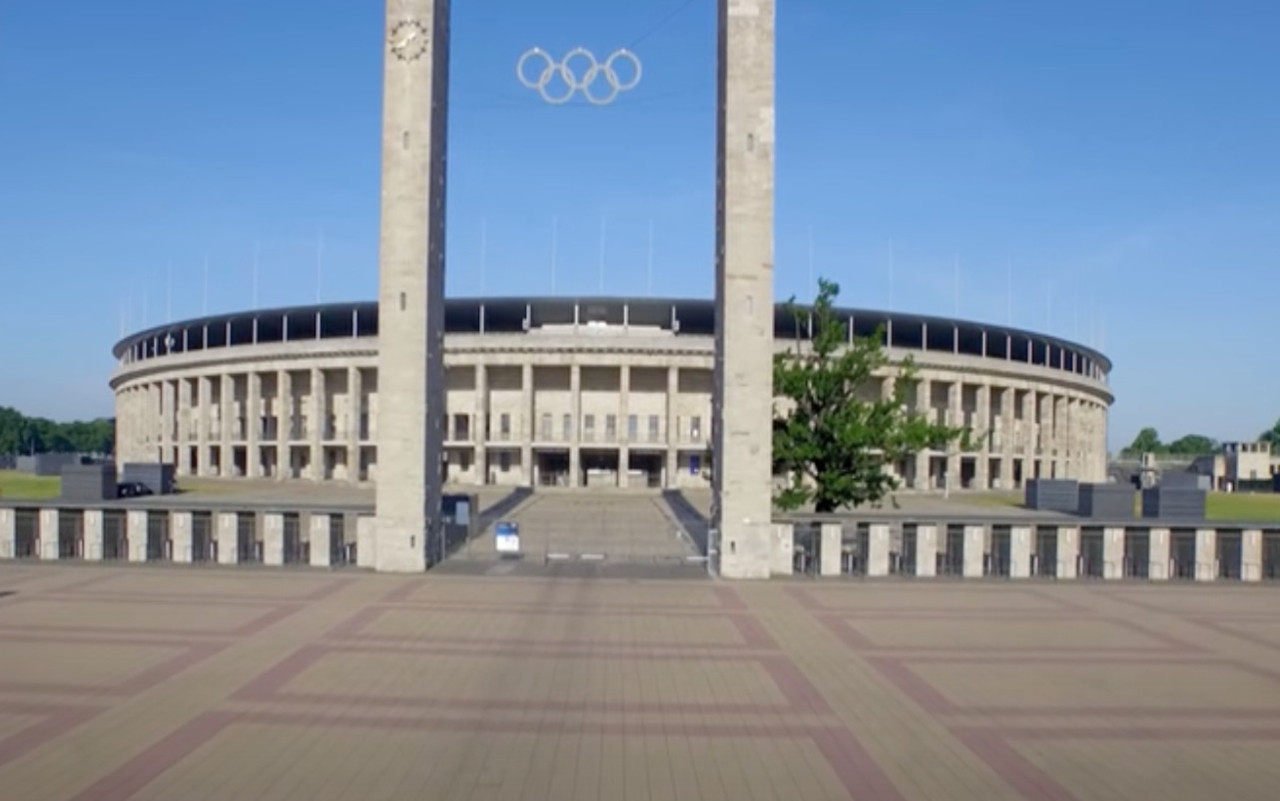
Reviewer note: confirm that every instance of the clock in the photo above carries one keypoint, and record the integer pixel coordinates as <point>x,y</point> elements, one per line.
<point>408,40</point>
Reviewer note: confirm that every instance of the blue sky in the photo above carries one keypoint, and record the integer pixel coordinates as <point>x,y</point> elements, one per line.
<point>1118,160</point>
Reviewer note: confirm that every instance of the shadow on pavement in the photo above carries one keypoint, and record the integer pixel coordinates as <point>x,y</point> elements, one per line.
<point>690,518</point>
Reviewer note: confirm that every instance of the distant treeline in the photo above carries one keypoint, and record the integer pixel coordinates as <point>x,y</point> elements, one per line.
<point>20,434</point>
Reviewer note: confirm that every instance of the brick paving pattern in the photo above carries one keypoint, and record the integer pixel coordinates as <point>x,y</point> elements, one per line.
<point>184,685</point>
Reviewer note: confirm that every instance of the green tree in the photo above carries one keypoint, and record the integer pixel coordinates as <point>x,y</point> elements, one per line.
<point>1271,436</point>
<point>832,439</point>
<point>22,434</point>
<point>1192,445</point>
<point>1147,441</point>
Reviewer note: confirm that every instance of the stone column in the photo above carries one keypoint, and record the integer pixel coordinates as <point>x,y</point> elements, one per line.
<point>92,536</point>
<point>273,538</point>
<point>624,430</point>
<point>575,413</point>
<point>672,432</point>
<point>168,421</point>
<point>204,425</point>
<point>982,433</point>
<point>480,434</point>
<point>1113,552</point>
<point>226,425</point>
<point>180,533</point>
<point>742,480</point>
<point>1020,552</point>
<point>319,413</point>
<point>320,536</point>
<point>924,406</point>
<point>955,415</point>
<point>1159,570</point>
<point>1068,551</point>
<point>829,550</point>
<point>1007,398</point>
<point>253,424</point>
<point>8,533</point>
<point>226,531</point>
<point>411,375</point>
<point>355,409</point>
<point>136,530</point>
<point>878,540</point>
<point>183,390</point>
<point>49,534</point>
<point>1206,554</point>
<point>1250,552</point>
<point>528,423</point>
<point>975,546</point>
<point>926,550</point>
<point>284,424</point>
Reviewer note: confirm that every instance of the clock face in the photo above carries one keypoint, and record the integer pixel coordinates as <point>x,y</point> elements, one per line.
<point>408,40</point>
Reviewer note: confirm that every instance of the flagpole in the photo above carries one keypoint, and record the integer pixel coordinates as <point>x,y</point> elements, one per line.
<point>649,263</point>
<point>257,247</point>
<point>319,262</point>
<point>555,224</point>
<point>484,247</point>
<point>603,233</point>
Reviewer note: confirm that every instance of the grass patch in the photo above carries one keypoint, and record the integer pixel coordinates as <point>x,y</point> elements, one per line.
<point>26,487</point>
<point>1243,506</point>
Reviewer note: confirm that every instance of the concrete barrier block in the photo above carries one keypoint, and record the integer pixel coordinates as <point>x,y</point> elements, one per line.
<point>1159,570</point>
<point>49,534</point>
<point>320,535</point>
<point>273,538</point>
<point>225,530</point>
<point>93,527</point>
<point>879,540</point>
<point>975,548</point>
<point>1068,551</point>
<point>1206,554</point>
<point>926,550</point>
<point>180,527</point>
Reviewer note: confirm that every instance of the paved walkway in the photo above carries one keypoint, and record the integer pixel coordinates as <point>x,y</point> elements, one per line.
<point>183,685</point>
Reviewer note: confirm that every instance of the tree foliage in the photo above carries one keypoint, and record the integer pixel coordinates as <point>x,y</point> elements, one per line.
<point>1148,441</point>
<point>831,440</point>
<point>1271,436</point>
<point>21,434</point>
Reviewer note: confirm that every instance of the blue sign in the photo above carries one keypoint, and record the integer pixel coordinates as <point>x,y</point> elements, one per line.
<point>506,536</point>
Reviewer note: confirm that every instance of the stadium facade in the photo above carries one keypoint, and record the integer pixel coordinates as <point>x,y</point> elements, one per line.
<point>590,392</point>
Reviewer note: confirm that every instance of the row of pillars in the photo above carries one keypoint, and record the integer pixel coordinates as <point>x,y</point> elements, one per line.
<point>879,554</point>
<point>179,548</point>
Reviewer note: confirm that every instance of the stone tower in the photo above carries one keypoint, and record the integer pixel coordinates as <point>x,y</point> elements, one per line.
<point>415,109</point>
<point>743,398</point>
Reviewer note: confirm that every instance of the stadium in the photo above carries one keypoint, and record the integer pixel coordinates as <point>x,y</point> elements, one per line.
<point>577,392</point>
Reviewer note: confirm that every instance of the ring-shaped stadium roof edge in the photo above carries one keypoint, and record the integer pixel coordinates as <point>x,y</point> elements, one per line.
<point>695,315</point>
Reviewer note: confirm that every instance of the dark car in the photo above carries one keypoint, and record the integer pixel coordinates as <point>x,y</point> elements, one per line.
<point>132,489</point>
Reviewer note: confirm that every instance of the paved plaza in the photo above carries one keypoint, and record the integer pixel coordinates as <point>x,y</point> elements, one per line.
<point>172,684</point>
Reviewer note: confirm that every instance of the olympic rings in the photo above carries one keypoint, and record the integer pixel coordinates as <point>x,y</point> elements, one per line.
<point>568,75</point>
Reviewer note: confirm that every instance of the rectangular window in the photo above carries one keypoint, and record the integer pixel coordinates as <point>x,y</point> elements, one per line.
<point>633,427</point>
<point>504,426</point>
<point>611,427</point>
<point>588,427</point>
<point>546,426</point>
<point>568,426</point>
<point>695,428</point>
<point>653,428</point>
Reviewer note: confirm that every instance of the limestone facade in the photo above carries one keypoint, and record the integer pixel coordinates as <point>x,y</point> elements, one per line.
<point>578,404</point>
